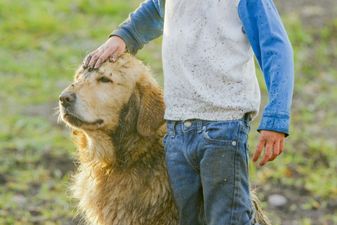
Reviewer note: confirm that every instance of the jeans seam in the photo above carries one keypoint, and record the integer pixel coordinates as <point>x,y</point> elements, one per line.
<point>165,138</point>
<point>234,219</point>
<point>196,170</point>
<point>247,155</point>
<point>236,192</point>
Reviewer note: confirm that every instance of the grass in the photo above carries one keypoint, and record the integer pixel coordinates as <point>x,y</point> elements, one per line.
<point>43,42</point>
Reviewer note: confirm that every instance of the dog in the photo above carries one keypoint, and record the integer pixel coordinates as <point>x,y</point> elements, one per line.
<point>116,115</point>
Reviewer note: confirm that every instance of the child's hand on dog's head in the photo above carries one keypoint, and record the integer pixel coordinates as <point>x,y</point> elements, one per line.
<point>110,49</point>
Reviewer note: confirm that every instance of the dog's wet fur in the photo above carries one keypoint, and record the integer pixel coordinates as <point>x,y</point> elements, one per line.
<point>116,115</point>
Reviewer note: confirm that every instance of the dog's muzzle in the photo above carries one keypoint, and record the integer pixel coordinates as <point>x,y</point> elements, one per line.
<point>67,99</point>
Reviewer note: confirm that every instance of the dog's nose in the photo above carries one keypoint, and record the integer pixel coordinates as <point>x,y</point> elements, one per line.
<point>67,98</point>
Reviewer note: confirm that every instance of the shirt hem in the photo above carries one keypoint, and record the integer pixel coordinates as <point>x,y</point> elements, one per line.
<point>211,116</point>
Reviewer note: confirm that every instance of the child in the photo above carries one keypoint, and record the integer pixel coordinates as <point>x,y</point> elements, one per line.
<point>211,94</point>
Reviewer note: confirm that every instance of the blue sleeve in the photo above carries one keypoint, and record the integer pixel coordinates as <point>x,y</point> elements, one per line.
<point>269,40</point>
<point>142,26</point>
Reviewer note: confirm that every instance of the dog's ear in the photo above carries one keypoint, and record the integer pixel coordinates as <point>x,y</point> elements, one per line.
<point>151,108</point>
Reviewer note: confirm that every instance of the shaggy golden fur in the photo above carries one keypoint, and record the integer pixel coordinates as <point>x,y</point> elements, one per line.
<point>116,114</point>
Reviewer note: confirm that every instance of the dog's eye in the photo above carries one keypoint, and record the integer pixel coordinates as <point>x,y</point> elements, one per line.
<point>104,80</point>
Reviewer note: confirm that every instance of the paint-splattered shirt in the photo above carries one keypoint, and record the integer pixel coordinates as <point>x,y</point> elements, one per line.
<point>208,58</point>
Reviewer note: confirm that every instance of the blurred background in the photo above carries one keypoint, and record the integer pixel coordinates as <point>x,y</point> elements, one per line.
<point>43,42</point>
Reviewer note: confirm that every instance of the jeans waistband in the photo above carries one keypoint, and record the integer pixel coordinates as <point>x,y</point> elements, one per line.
<point>198,124</point>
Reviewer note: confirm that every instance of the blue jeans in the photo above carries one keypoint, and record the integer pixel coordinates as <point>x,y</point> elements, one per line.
<point>207,164</point>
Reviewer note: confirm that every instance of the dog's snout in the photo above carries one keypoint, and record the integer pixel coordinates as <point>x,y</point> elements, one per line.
<point>67,98</point>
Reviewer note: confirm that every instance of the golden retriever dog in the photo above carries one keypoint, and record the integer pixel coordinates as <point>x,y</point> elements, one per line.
<point>116,114</point>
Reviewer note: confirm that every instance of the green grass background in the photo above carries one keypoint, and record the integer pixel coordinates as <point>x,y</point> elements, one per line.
<point>43,42</point>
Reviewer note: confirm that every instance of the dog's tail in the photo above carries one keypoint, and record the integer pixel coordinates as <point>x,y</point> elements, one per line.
<point>260,217</point>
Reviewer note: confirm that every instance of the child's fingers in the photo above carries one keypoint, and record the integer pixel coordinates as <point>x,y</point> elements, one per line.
<point>87,60</point>
<point>99,62</point>
<point>281,145</point>
<point>267,153</point>
<point>258,150</point>
<point>105,55</point>
<point>276,150</point>
<point>93,60</point>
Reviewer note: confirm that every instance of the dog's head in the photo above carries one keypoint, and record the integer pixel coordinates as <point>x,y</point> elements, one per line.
<point>102,99</point>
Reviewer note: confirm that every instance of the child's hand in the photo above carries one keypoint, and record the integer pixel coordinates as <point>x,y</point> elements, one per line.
<point>272,142</point>
<point>111,49</point>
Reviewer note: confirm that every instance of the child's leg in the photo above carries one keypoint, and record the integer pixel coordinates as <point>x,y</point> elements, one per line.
<point>184,178</point>
<point>224,173</point>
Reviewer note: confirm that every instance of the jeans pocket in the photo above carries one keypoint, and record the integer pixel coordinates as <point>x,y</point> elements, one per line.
<point>222,132</point>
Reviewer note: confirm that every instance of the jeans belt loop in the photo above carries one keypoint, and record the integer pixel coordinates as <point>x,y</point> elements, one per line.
<point>174,123</point>
<point>199,126</point>
<point>248,117</point>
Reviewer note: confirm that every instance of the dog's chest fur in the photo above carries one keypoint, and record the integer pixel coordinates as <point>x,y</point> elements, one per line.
<point>130,194</point>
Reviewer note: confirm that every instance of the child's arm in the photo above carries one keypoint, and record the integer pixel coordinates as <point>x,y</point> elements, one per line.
<point>143,25</point>
<point>273,50</point>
